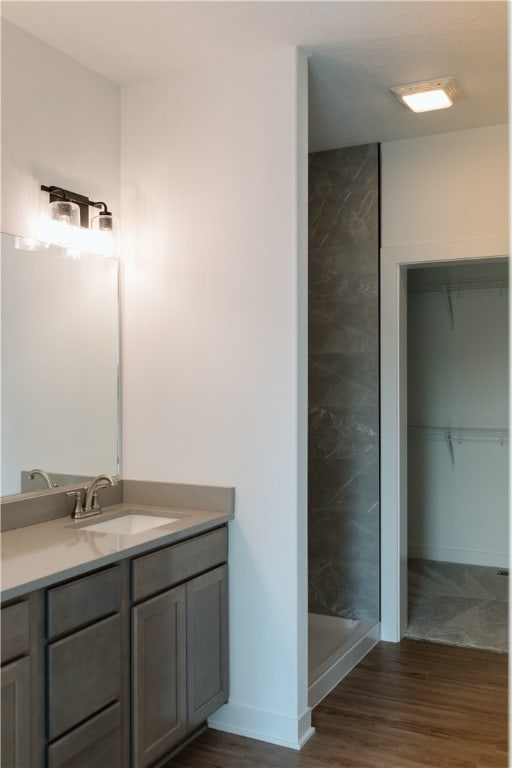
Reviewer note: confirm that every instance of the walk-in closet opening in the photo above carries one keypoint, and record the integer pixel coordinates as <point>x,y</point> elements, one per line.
<point>457,457</point>
<point>343,461</point>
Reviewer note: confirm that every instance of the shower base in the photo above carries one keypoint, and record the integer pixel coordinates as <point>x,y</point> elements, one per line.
<point>336,645</point>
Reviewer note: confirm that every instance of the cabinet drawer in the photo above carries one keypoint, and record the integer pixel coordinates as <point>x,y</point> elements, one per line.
<point>15,631</point>
<point>83,601</point>
<point>84,674</point>
<point>160,570</point>
<point>91,745</point>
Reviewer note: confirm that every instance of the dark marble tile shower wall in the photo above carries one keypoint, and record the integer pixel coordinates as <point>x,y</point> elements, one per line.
<point>344,383</point>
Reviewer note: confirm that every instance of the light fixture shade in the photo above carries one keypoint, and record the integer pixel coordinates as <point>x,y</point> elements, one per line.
<point>105,222</point>
<point>66,212</point>
<point>428,95</point>
<point>61,226</point>
<point>104,227</point>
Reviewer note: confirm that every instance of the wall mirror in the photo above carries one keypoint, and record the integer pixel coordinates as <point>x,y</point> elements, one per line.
<point>60,367</point>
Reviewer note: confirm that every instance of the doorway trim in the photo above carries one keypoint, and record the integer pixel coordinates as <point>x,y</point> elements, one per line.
<point>393,428</point>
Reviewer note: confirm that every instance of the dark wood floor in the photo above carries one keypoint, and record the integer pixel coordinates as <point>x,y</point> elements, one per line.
<point>407,705</point>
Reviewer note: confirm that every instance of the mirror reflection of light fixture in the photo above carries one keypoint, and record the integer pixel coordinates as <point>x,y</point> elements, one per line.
<point>67,224</point>
<point>29,244</point>
<point>428,95</point>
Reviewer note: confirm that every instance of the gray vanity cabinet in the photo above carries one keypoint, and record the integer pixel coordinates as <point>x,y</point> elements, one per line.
<point>120,666</point>
<point>180,643</point>
<point>15,684</point>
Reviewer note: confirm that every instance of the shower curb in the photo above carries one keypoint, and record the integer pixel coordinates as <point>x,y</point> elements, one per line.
<point>341,666</point>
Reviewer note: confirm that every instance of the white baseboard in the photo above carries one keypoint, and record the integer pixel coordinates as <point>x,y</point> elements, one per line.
<point>263,726</point>
<point>462,556</point>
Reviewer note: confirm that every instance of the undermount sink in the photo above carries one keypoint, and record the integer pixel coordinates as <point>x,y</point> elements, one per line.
<point>129,523</point>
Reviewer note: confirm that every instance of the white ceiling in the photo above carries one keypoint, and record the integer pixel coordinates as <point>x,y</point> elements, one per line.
<point>357,50</point>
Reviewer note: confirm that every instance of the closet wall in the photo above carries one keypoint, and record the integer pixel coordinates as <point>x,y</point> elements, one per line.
<point>458,413</point>
<point>343,478</point>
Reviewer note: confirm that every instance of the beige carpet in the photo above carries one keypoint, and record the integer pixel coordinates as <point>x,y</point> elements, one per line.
<point>458,604</point>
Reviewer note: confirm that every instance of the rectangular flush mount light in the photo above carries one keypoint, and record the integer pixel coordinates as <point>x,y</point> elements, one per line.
<point>428,95</point>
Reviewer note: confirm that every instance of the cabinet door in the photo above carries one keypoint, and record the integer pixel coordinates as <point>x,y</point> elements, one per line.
<point>15,734</point>
<point>159,668</point>
<point>207,645</point>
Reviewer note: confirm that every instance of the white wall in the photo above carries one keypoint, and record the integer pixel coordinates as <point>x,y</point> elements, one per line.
<point>458,512</point>
<point>60,126</point>
<point>214,371</point>
<point>443,198</point>
<point>444,188</point>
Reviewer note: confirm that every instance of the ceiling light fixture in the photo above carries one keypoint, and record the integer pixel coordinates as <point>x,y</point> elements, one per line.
<point>428,95</point>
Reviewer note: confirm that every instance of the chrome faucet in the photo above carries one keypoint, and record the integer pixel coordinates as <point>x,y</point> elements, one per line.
<point>44,475</point>
<point>91,503</point>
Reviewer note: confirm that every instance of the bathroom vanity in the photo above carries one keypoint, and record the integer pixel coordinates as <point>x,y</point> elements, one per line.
<point>114,646</point>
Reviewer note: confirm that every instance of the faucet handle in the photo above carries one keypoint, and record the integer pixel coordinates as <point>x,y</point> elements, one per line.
<point>79,509</point>
<point>95,504</point>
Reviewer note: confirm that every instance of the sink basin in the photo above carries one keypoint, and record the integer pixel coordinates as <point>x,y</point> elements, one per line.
<point>128,524</point>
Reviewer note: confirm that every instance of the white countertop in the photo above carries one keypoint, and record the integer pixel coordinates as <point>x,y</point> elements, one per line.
<point>39,555</point>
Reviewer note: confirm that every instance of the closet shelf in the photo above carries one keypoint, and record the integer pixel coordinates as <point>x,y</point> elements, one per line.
<point>455,289</point>
<point>462,434</point>
<point>459,435</point>
<point>450,290</point>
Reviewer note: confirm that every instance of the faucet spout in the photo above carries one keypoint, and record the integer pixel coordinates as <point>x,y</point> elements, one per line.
<point>44,475</point>
<point>91,503</point>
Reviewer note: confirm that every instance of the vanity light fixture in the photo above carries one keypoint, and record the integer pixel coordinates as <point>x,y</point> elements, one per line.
<point>428,95</point>
<point>68,223</point>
